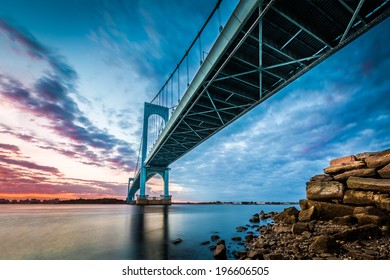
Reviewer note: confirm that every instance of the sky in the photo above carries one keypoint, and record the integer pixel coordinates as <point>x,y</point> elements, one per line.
<point>74,76</point>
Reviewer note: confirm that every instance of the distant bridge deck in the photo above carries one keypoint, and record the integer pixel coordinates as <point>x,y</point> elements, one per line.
<point>261,49</point>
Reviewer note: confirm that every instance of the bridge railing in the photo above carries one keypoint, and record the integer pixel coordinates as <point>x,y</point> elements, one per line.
<point>179,80</point>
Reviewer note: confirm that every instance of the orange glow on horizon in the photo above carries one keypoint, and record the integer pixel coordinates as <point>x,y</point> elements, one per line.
<point>43,196</point>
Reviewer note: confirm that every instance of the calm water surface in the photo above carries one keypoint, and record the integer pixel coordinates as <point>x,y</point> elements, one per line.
<point>119,231</point>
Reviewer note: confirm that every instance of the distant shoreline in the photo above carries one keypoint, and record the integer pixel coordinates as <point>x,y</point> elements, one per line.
<point>120,201</point>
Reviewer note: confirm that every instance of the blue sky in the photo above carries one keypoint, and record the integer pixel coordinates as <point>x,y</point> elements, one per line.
<point>74,76</point>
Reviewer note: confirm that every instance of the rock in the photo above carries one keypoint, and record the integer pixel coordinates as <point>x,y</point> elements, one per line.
<point>303,204</point>
<point>241,228</point>
<point>323,244</point>
<point>364,172</point>
<point>342,160</point>
<point>205,243</point>
<point>324,190</point>
<point>255,219</point>
<point>220,252</point>
<point>288,216</point>
<point>236,238</point>
<point>369,210</point>
<point>262,215</point>
<point>307,215</point>
<point>307,234</point>
<point>221,242</point>
<point>321,178</point>
<point>369,184</point>
<point>364,219</point>
<point>214,237</point>
<point>359,197</point>
<point>299,227</point>
<point>212,247</point>
<point>345,220</point>
<point>328,211</point>
<point>359,233</point>
<point>176,241</point>
<point>248,238</point>
<point>363,156</point>
<point>344,167</point>
<point>273,257</point>
<point>379,159</point>
<point>383,202</point>
<point>255,255</point>
<point>385,172</point>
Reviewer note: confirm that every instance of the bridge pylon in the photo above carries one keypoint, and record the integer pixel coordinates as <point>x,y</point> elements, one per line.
<point>148,171</point>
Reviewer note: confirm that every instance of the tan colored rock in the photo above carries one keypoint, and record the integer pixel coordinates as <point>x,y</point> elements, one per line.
<point>322,178</point>
<point>364,172</point>
<point>299,227</point>
<point>308,215</point>
<point>345,220</point>
<point>344,167</point>
<point>359,233</point>
<point>303,204</point>
<point>317,190</point>
<point>369,184</point>
<point>359,197</point>
<point>385,172</point>
<point>363,156</point>
<point>384,202</point>
<point>364,219</point>
<point>368,210</point>
<point>342,160</point>
<point>328,211</point>
<point>323,244</point>
<point>378,160</point>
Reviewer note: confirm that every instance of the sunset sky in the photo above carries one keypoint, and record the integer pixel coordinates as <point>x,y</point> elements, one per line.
<point>74,76</point>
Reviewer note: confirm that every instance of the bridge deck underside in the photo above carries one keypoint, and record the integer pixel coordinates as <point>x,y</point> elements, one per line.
<point>293,37</point>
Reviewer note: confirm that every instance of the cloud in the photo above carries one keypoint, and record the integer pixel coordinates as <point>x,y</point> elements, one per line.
<point>12,148</point>
<point>38,51</point>
<point>30,165</point>
<point>50,98</point>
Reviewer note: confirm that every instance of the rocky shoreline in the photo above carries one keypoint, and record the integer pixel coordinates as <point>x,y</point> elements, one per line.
<point>346,215</point>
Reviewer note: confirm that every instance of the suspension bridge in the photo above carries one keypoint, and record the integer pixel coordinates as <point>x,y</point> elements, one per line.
<point>264,46</point>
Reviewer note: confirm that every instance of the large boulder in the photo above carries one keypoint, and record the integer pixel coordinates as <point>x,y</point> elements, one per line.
<point>323,191</point>
<point>364,172</point>
<point>288,216</point>
<point>299,227</point>
<point>385,172</point>
<point>369,184</point>
<point>359,233</point>
<point>342,160</point>
<point>308,214</point>
<point>328,211</point>
<point>344,167</point>
<point>321,178</point>
<point>364,219</point>
<point>369,210</point>
<point>345,220</point>
<point>323,244</point>
<point>359,197</point>
<point>379,159</point>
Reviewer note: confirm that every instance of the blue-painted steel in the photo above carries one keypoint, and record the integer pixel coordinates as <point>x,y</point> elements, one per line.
<point>148,171</point>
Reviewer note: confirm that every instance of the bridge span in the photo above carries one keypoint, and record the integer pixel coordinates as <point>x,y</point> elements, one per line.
<point>264,46</point>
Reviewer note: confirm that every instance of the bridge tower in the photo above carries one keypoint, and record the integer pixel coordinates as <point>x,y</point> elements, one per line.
<point>148,171</point>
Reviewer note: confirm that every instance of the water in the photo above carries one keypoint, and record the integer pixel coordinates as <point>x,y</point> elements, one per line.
<point>112,232</point>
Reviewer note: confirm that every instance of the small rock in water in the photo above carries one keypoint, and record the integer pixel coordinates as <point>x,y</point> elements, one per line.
<point>177,240</point>
<point>214,237</point>
<point>205,243</point>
